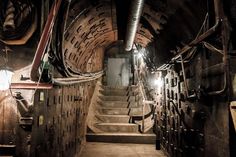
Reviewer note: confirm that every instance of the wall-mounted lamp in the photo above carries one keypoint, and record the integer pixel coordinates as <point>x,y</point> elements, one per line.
<point>5,78</point>
<point>139,55</point>
<point>158,82</point>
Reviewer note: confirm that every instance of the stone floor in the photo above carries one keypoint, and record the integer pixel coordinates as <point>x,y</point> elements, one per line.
<point>94,149</point>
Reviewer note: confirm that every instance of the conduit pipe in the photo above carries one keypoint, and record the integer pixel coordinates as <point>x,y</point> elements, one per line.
<point>220,19</point>
<point>204,35</point>
<point>44,40</point>
<point>133,21</point>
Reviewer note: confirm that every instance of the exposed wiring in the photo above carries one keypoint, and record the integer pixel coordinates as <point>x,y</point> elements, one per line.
<point>164,67</point>
<point>193,44</point>
<point>189,56</point>
<point>203,25</point>
<point>212,48</point>
<point>75,80</point>
<point>38,82</point>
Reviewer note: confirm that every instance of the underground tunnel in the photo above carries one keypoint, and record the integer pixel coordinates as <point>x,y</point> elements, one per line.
<point>117,78</point>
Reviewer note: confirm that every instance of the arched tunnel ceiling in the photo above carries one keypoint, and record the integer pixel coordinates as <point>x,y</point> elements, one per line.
<point>95,26</point>
<point>164,25</point>
<point>91,29</point>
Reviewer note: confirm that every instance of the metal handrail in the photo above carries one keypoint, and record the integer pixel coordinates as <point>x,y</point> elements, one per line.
<point>144,103</point>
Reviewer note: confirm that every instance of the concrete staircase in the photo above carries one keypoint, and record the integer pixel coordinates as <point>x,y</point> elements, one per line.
<point>114,113</point>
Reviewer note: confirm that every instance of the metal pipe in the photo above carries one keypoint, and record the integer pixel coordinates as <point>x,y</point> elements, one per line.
<point>133,20</point>
<point>197,40</point>
<point>214,70</point>
<point>204,35</point>
<point>31,86</point>
<point>218,92</point>
<point>184,76</point>
<point>44,39</point>
<point>212,48</point>
<point>225,41</point>
<point>225,63</point>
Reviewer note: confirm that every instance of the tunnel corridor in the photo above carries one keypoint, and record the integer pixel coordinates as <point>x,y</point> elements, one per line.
<point>117,78</point>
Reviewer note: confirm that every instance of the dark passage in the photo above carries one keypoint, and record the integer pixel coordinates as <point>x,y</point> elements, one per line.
<point>117,78</point>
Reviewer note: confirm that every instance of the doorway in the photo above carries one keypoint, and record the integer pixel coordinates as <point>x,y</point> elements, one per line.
<point>118,72</point>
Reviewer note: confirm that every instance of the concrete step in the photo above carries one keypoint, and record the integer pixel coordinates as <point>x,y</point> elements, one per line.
<point>121,111</point>
<point>119,98</point>
<point>136,138</point>
<point>118,93</point>
<point>113,118</point>
<point>118,127</point>
<point>118,104</point>
<point>124,88</point>
<point>114,111</point>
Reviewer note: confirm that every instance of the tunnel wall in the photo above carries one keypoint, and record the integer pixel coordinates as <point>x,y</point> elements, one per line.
<point>59,121</point>
<point>196,126</point>
<point>64,111</point>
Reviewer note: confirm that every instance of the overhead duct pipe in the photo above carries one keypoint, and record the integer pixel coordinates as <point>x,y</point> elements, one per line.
<point>133,20</point>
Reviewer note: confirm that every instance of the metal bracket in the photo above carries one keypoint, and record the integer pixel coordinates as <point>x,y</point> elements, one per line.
<point>26,122</point>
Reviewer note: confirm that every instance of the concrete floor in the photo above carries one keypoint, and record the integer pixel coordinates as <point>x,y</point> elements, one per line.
<point>94,149</point>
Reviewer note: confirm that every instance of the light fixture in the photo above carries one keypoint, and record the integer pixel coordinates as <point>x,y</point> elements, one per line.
<point>158,82</point>
<point>139,55</point>
<point>5,78</point>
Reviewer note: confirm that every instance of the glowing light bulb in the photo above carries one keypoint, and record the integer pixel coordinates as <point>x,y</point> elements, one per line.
<point>5,79</point>
<point>158,82</point>
<point>139,55</point>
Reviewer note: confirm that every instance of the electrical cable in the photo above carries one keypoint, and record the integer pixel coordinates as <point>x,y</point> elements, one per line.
<point>70,81</point>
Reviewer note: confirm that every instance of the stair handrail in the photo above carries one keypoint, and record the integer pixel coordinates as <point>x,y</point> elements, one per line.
<point>144,103</point>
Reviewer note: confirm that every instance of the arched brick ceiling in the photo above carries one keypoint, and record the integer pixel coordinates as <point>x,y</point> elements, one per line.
<point>96,24</point>
<point>95,27</point>
<point>155,19</point>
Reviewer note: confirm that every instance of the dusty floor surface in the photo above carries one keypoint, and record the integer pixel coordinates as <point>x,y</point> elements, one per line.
<point>94,149</point>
